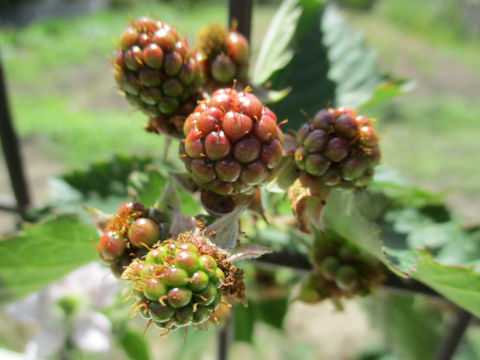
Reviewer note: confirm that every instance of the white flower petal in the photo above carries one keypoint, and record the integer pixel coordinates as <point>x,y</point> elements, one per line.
<point>49,340</point>
<point>92,332</point>
<point>12,355</point>
<point>34,309</point>
<point>93,282</point>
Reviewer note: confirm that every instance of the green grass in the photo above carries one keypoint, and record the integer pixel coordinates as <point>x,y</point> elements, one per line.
<point>433,140</point>
<point>58,42</point>
<point>439,22</point>
<point>61,86</point>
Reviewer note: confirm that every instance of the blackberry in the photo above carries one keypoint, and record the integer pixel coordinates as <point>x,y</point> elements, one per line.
<point>223,55</point>
<point>338,147</point>
<point>233,143</point>
<point>182,282</point>
<point>340,270</point>
<point>130,233</point>
<point>158,72</point>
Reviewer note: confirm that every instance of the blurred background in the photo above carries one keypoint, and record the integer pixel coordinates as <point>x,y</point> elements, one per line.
<point>68,113</point>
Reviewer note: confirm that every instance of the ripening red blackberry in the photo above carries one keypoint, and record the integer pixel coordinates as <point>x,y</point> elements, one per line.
<point>182,282</point>
<point>340,270</point>
<point>130,233</point>
<point>158,73</point>
<point>223,55</point>
<point>233,143</point>
<point>339,147</point>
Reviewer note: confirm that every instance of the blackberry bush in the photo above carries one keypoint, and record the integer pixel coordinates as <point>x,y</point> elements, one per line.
<point>233,143</point>
<point>339,147</point>
<point>130,233</point>
<point>223,55</point>
<point>159,74</point>
<point>182,282</point>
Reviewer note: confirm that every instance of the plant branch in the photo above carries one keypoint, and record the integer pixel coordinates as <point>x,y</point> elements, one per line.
<point>392,283</point>
<point>449,344</point>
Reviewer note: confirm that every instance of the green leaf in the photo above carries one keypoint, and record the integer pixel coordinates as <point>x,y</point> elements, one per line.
<point>244,322</point>
<point>227,228</point>
<point>390,183</point>
<point>43,253</point>
<point>192,345</point>
<point>459,284</point>
<point>134,345</point>
<point>274,53</point>
<point>273,311</point>
<point>347,213</point>
<point>389,88</point>
<point>103,179</point>
<point>267,96</point>
<point>150,186</point>
<point>331,66</point>
<point>307,72</point>
<point>398,316</point>
<point>170,198</point>
<point>147,186</point>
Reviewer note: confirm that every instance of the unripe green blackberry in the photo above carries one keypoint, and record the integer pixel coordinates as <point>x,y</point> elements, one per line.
<point>130,233</point>
<point>223,69</point>
<point>340,270</point>
<point>233,143</point>
<point>223,55</point>
<point>338,147</point>
<point>181,281</point>
<point>158,73</point>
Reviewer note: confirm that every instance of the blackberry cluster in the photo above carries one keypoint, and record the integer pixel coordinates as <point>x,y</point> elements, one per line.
<point>233,143</point>
<point>182,282</point>
<point>158,73</point>
<point>130,233</point>
<point>223,55</point>
<point>340,271</point>
<point>338,147</point>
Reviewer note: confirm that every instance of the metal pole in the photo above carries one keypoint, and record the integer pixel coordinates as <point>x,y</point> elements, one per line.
<point>449,344</point>
<point>11,150</point>
<point>240,13</point>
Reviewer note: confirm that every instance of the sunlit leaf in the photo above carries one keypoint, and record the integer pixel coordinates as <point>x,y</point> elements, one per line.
<point>43,253</point>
